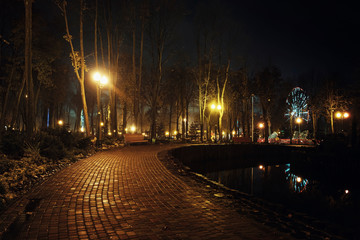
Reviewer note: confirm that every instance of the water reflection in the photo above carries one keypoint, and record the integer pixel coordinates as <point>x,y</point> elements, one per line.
<point>262,181</point>
<point>297,183</point>
<point>270,182</point>
<point>286,185</point>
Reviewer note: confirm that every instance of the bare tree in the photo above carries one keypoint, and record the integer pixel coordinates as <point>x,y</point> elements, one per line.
<point>29,85</point>
<point>160,31</point>
<point>77,58</point>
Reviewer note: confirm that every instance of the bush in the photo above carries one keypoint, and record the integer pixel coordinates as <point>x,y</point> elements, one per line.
<point>52,147</point>
<point>12,144</point>
<point>6,165</point>
<point>84,143</point>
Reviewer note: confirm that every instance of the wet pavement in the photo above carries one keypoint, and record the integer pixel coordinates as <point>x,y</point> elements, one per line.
<point>130,193</point>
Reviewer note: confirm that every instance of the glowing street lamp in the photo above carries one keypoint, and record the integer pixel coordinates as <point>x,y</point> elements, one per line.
<point>101,81</point>
<point>262,126</point>
<point>218,108</point>
<point>132,129</point>
<point>299,121</point>
<point>60,123</point>
<point>342,116</point>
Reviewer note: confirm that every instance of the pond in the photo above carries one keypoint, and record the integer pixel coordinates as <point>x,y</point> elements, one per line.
<point>323,196</point>
<point>321,183</point>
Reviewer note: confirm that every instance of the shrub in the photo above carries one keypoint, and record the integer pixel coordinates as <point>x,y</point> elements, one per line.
<point>6,165</point>
<point>52,147</point>
<point>12,143</point>
<point>84,143</point>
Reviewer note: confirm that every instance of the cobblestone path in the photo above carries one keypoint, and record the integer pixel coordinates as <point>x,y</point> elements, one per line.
<point>124,194</point>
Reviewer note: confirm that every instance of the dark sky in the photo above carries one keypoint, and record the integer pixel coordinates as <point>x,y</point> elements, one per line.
<point>298,36</point>
<point>303,35</point>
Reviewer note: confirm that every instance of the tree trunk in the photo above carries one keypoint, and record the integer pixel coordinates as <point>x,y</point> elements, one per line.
<point>124,116</point>
<point>332,121</point>
<point>5,106</point>
<point>140,71</point>
<point>135,90</point>
<point>170,118</point>
<point>17,105</point>
<point>28,69</point>
<point>314,123</point>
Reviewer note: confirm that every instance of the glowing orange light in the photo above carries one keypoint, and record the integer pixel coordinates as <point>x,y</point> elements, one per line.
<point>261,167</point>
<point>338,115</point>
<point>298,179</point>
<point>261,125</point>
<point>346,115</point>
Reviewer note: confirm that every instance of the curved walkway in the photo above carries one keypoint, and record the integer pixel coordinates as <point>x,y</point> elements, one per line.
<point>124,194</point>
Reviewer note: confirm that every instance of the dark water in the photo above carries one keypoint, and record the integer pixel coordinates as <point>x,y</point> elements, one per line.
<point>321,195</point>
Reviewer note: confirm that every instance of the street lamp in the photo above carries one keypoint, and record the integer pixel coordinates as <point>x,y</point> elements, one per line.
<point>342,116</point>
<point>262,126</point>
<point>299,121</point>
<point>101,80</point>
<point>60,123</point>
<point>218,108</point>
<point>252,117</point>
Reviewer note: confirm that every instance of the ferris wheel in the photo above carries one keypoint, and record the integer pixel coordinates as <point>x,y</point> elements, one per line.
<point>297,104</point>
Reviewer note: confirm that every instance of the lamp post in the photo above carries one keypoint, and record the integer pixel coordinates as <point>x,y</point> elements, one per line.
<point>262,126</point>
<point>218,108</point>
<point>100,80</point>
<point>299,121</point>
<point>252,117</point>
<point>342,116</point>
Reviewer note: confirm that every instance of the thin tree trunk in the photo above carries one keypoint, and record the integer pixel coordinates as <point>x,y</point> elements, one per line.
<point>135,90</point>
<point>17,105</point>
<point>5,106</point>
<point>170,118</point>
<point>80,76</point>
<point>140,69</point>
<point>82,82</point>
<point>28,69</point>
<point>314,122</point>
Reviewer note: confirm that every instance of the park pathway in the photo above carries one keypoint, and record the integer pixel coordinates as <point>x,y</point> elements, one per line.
<point>124,194</point>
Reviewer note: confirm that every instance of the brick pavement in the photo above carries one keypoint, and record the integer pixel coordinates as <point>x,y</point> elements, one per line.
<point>124,194</point>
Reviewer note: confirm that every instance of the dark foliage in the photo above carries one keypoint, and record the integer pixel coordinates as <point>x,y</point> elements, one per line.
<point>12,144</point>
<point>52,147</point>
<point>83,143</point>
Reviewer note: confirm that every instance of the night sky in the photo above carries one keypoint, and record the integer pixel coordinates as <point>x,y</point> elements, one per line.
<point>300,36</point>
<point>297,36</point>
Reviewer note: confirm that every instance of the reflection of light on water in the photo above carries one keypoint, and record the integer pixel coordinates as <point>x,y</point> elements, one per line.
<point>297,183</point>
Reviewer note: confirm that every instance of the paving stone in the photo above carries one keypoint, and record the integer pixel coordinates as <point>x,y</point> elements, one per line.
<point>128,194</point>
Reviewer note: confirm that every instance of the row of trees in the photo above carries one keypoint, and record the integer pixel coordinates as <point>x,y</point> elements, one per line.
<point>152,82</point>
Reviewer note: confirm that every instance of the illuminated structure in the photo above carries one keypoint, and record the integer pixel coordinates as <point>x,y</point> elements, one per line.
<point>297,104</point>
